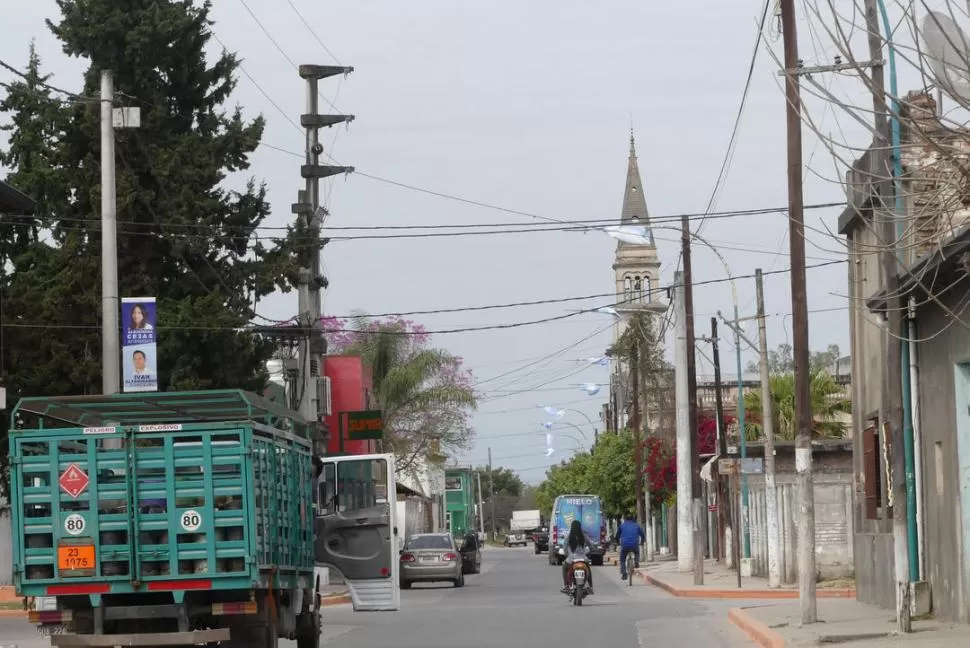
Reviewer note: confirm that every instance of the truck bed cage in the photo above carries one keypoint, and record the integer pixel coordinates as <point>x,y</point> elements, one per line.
<point>101,410</point>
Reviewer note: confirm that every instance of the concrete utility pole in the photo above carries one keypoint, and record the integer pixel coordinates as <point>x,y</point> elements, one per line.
<point>767,428</point>
<point>310,213</point>
<point>799,298</point>
<point>698,510</point>
<point>685,538</point>
<point>892,398</point>
<point>491,488</point>
<point>110,304</point>
<point>723,496</point>
<point>637,425</point>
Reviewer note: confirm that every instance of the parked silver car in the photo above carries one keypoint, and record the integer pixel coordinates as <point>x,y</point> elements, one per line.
<point>431,557</point>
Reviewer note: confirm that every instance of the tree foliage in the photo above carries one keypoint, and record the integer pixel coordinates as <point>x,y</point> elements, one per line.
<point>503,480</point>
<point>425,393</point>
<point>183,236</point>
<point>782,361</point>
<point>655,373</point>
<point>828,407</point>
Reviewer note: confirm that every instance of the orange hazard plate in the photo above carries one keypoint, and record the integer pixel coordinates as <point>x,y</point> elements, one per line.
<point>75,557</point>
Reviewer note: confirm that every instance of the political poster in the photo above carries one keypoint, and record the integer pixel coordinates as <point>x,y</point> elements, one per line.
<point>139,360</point>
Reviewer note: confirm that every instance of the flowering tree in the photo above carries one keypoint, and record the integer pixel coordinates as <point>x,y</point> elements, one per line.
<point>425,393</point>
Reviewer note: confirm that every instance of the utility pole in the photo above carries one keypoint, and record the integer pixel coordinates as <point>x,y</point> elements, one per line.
<point>768,429</point>
<point>644,407</point>
<point>491,489</point>
<point>481,504</point>
<point>685,539</point>
<point>723,496</point>
<point>698,512</point>
<point>892,397</point>
<point>313,344</point>
<point>110,304</point>
<point>636,425</point>
<point>799,298</point>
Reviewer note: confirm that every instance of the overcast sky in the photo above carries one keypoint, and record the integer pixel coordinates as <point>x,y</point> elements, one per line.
<point>529,106</point>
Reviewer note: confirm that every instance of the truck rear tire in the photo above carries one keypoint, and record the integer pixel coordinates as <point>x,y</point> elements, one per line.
<point>309,634</point>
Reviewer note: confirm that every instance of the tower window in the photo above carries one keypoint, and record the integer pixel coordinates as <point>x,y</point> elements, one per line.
<point>627,289</point>
<point>637,288</point>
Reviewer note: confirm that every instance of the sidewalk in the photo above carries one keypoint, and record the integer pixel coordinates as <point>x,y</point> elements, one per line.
<point>845,622</point>
<point>721,583</point>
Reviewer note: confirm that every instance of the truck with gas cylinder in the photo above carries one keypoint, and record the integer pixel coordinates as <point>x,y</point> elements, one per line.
<point>186,518</point>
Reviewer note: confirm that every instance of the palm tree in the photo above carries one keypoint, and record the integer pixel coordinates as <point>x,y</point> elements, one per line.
<point>827,406</point>
<point>421,391</point>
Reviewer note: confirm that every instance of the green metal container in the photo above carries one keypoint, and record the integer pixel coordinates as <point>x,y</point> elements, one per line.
<point>160,492</point>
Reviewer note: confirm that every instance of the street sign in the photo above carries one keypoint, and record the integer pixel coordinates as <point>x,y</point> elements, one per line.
<point>73,480</point>
<point>364,425</point>
<point>727,467</point>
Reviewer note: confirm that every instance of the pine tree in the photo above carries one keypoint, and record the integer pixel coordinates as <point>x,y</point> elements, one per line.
<point>182,236</point>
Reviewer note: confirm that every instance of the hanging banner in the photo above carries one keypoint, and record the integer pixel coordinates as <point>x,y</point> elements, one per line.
<point>138,357</point>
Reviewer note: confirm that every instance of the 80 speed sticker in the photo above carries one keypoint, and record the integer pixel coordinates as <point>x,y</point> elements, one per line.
<point>191,520</point>
<point>74,524</point>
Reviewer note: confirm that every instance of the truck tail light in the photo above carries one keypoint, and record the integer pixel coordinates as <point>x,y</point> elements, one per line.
<point>603,534</point>
<point>49,616</point>
<point>555,535</point>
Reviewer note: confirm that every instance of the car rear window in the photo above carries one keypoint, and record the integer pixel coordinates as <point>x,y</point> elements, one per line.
<point>429,542</point>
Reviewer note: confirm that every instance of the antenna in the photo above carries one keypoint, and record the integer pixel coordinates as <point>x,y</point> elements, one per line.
<point>947,52</point>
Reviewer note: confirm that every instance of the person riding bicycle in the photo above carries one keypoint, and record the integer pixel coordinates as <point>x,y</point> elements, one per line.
<point>578,545</point>
<point>629,536</point>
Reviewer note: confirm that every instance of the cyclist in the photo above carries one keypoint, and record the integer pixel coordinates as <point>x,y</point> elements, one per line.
<point>578,545</point>
<point>629,536</point>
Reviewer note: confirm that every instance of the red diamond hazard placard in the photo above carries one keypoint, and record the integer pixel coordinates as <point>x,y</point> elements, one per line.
<point>73,480</point>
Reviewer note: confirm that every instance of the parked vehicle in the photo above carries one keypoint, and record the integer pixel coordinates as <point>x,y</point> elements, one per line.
<point>471,554</point>
<point>429,558</point>
<point>540,540</point>
<point>183,518</point>
<point>516,538</point>
<point>588,510</point>
<point>578,588</point>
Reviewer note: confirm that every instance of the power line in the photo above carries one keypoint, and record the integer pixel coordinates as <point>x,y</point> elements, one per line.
<point>511,325</point>
<point>25,77</point>
<point>313,32</point>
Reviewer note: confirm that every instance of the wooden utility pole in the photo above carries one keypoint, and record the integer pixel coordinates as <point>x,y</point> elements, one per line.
<point>635,423</point>
<point>892,398</point>
<point>799,301</point>
<point>723,494</point>
<point>698,510</point>
<point>767,429</point>
<point>491,490</point>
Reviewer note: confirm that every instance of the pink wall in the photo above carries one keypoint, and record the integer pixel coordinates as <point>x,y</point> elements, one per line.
<point>350,385</point>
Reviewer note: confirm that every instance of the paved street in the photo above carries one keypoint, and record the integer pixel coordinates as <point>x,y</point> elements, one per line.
<point>514,603</point>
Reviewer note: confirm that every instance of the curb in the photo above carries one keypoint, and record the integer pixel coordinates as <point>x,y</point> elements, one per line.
<point>336,599</point>
<point>761,594</point>
<point>13,614</point>
<point>759,632</point>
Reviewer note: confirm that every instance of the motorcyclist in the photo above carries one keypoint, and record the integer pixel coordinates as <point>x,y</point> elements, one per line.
<point>629,536</point>
<point>577,547</point>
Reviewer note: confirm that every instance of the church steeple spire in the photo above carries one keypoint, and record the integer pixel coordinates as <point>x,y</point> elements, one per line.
<point>634,202</point>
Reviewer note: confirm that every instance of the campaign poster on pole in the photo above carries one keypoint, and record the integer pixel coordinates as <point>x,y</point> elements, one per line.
<point>139,359</point>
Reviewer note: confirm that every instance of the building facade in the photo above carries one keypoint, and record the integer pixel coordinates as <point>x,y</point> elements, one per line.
<point>933,276</point>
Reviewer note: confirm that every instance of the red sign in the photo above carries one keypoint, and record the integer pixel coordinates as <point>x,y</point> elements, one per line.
<point>73,480</point>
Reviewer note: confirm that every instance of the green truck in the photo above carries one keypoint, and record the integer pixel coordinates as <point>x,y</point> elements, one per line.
<point>184,518</point>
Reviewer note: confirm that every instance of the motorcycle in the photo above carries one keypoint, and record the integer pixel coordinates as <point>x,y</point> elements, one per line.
<point>579,587</point>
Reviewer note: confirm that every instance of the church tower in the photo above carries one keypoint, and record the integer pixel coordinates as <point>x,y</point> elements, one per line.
<point>636,268</point>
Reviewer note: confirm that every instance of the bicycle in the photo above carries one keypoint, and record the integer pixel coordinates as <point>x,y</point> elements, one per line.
<point>630,565</point>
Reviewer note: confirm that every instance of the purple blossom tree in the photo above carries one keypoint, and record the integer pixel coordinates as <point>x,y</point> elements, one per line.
<point>426,394</point>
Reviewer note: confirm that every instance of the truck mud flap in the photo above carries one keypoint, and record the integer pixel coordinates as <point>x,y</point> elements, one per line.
<point>150,639</point>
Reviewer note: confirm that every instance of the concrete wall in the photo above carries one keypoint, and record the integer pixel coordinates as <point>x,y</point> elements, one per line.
<point>942,513</point>
<point>833,515</point>
<point>872,539</point>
